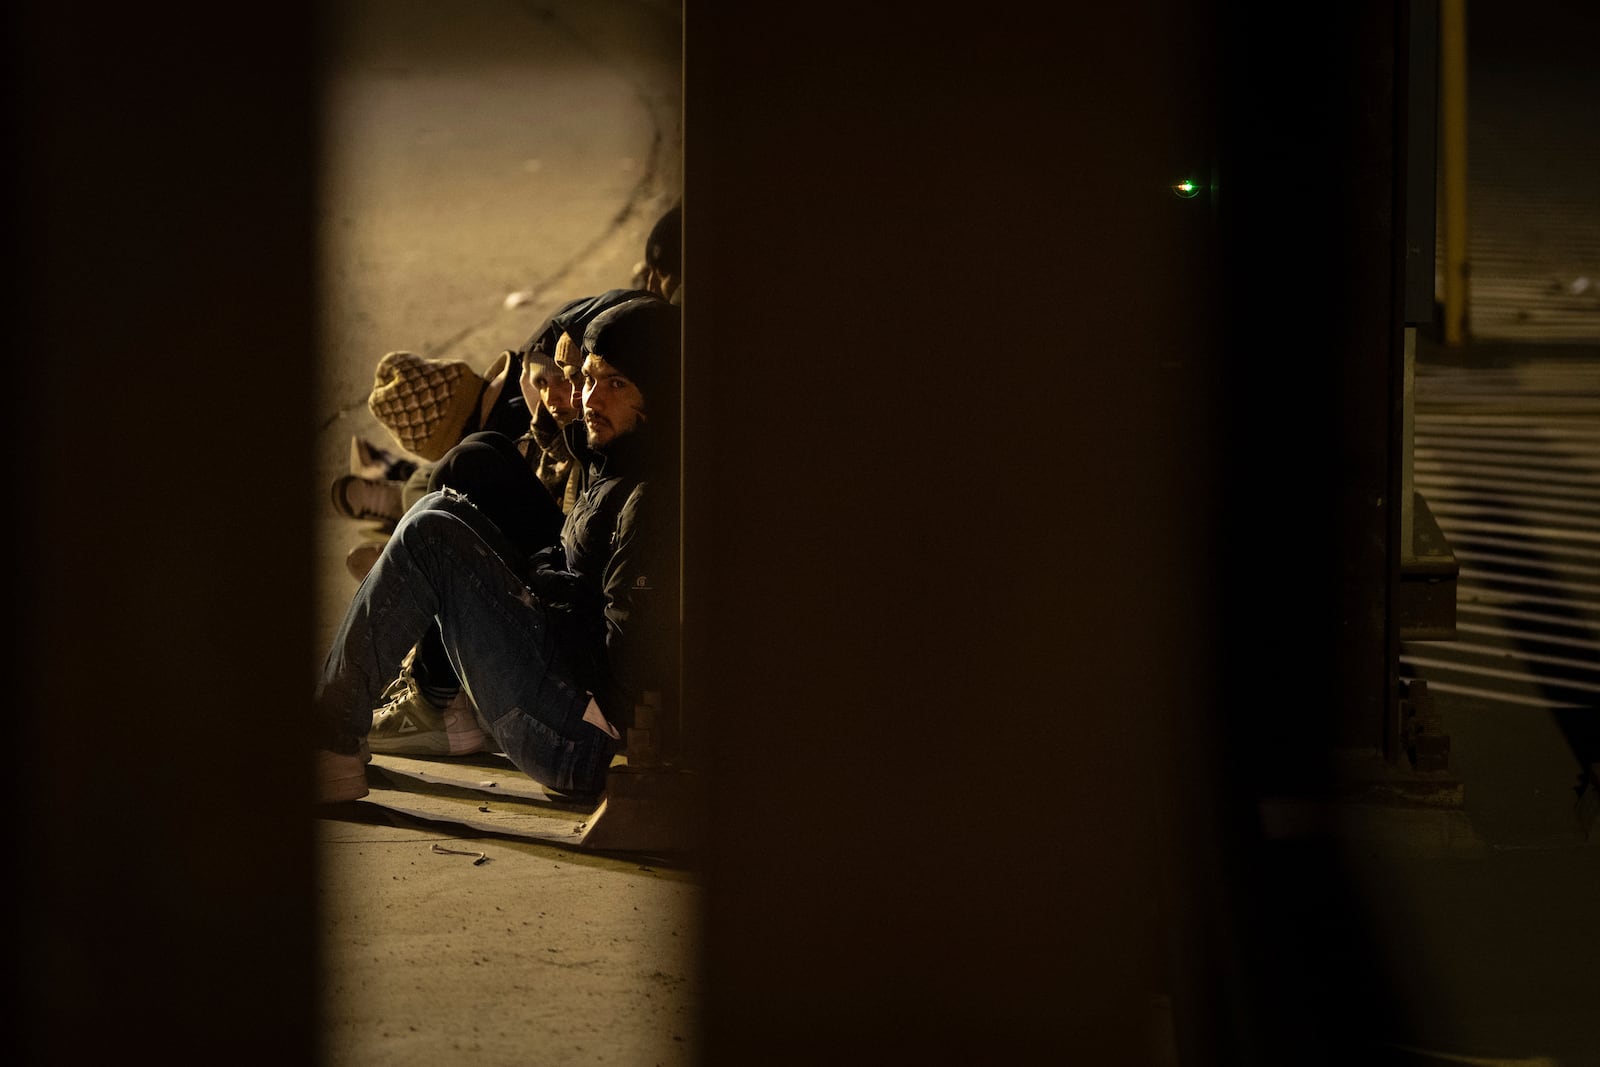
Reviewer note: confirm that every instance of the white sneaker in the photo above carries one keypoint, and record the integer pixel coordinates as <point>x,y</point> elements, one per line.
<point>407,724</point>
<point>367,498</point>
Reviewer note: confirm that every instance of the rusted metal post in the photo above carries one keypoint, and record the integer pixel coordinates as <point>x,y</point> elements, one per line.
<point>651,805</point>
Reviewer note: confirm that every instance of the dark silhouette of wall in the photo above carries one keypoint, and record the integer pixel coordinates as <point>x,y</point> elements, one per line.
<point>160,168</point>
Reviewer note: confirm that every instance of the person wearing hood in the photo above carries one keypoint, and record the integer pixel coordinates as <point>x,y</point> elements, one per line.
<point>513,412</point>
<point>661,270</point>
<point>382,486</point>
<point>471,468</point>
<point>424,710</point>
<point>555,651</point>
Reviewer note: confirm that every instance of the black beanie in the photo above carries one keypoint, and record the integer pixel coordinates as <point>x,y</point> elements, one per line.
<point>641,339</point>
<point>574,317</point>
<point>663,249</point>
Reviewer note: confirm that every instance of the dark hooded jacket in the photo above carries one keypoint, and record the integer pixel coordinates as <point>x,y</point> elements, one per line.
<point>555,453</point>
<point>574,317</point>
<point>616,568</point>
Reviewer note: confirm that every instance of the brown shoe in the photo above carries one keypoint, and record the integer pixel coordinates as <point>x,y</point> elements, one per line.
<point>340,778</point>
<point>360,559</point>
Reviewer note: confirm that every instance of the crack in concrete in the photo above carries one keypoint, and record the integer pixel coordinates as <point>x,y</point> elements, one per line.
<point>641,191</point>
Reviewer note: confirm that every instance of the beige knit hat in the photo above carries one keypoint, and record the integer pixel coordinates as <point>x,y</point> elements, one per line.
<point>425,403</point>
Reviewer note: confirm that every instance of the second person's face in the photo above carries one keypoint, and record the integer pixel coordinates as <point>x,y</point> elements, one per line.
<point>569,361</point>
<point>556,393</point>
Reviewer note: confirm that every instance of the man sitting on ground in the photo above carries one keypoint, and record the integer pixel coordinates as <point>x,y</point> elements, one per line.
<point>558,650</point>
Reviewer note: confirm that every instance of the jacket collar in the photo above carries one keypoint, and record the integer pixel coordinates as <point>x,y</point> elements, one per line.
<point>628,455</point>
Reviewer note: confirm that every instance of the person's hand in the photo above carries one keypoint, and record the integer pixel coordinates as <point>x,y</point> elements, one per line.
<point>566,591</point>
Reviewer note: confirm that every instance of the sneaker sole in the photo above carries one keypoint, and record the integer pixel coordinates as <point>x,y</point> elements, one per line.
<point>342,505</point>
<point>432,743</point>
<point>342,790</point>
<point>451,742</point>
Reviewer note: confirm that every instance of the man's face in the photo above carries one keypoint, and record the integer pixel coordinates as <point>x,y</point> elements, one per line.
<point>556,392</point>
<point>569,360</point>
<point>612,405</point>
<point>663,285</point>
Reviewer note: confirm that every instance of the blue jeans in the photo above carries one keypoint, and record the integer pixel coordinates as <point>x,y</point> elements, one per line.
<point>447,564</point>
<point>491,472</point>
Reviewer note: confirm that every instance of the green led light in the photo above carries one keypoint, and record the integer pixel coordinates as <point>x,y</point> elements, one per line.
<point>1187,189</point>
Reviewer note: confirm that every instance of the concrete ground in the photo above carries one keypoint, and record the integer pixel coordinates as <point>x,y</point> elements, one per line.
<point>162,909</point>
<point>1469,928</point>
<point>484,162</point>
<point>507,149</point>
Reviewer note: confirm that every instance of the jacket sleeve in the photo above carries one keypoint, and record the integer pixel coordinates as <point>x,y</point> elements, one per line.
<point>641,608</point>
